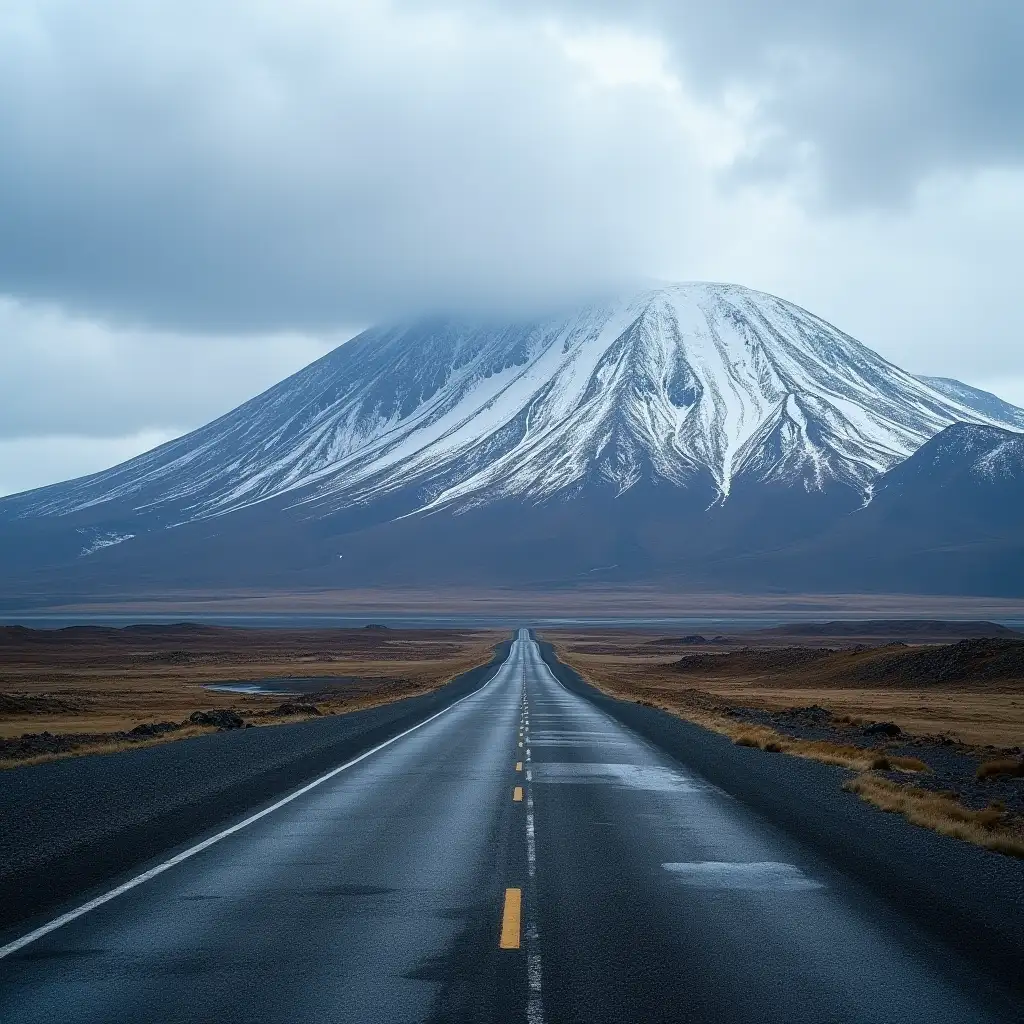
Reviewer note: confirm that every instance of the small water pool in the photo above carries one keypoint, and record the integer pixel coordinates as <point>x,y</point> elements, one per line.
<point>285,686</point>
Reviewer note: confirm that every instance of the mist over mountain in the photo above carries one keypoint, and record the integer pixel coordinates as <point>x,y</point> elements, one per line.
<point>692,435</point>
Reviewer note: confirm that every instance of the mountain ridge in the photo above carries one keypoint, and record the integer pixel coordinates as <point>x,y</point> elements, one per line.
<point>982,401</point>
<point>678,373</point>
<point>645,436</point>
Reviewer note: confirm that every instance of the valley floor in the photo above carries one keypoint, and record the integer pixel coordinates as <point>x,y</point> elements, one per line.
<point>514,846</point>
<point>90,689</point>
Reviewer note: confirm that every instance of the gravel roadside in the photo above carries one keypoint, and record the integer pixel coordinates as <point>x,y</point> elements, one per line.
<point>73,827</point>
<point>952,766</point>
<point>968,899</point>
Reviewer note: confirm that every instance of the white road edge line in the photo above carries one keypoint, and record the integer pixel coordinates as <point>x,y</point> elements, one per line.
<point>159,869</point>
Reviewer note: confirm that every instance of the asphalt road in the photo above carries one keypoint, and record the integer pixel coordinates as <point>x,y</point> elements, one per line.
<point>81,823</point>
<point>454,875</point>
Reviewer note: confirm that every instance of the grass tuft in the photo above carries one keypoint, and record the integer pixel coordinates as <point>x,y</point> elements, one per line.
<point>940,812</point>
<point>746,739</point>
<point>1011,766</point>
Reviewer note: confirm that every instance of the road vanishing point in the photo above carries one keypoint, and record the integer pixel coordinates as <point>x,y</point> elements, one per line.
<point>519,856</point>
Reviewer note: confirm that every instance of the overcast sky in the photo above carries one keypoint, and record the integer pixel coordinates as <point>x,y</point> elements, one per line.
<point>198,198</point>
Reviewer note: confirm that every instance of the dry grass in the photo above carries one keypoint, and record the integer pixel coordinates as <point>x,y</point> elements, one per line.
<point>1008,766</point>
<point>694,707</point>
<point>94,683</point>
<point>774,742</point>
<point>630,665</point>
<point>940,812</point>
<point>652,684</point>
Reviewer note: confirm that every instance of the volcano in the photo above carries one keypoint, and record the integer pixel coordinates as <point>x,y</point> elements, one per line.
<point>690,433</point>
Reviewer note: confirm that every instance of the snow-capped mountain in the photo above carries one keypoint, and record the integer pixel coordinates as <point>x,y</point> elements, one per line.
<point>673,383</point>
<point>950,519</point>
<point>965,460</point>
<point>598,432</point>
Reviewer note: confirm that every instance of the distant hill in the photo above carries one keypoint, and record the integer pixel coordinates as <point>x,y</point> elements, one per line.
<point>981,662</point>
<point>982,401</point>
<point>923,629</point>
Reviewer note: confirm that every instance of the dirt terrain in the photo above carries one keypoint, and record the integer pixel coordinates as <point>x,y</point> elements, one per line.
<point>971,690</point>
<point>95,688</point>
<point>935,730</point>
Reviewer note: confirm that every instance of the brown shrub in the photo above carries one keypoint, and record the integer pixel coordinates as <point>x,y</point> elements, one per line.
<point>1011,766</point>
<point>908,764</point>
<point>745,739</point>
<point>985,827</point>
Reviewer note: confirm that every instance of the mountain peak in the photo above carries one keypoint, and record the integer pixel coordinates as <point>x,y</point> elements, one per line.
<point>694,384</point>
<point>980,450</point>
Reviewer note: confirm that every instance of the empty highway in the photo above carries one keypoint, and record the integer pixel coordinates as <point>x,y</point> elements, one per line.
<point>520,856</point>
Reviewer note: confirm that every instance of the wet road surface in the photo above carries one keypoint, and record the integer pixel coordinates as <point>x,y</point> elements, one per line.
<point>521,856</point>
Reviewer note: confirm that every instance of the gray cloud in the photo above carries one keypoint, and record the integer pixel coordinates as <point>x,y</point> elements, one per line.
<point>244,167</point>
<point>63,377</point>
<point>869,97</point>
<point>241,166</point>
<point>195,198</point>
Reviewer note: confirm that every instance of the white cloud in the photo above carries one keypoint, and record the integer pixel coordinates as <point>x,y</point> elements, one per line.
<point>65,376</point>
<point>198,198</point>
<point>34,462</point>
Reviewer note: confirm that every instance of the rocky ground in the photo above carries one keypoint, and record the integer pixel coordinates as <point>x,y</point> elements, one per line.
<point>953,766</point>
<point>39,745</point>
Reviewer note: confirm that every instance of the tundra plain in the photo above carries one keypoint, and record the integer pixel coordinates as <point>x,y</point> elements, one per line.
<point>88,689</point>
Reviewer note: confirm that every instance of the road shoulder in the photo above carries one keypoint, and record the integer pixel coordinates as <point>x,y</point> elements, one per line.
<point>970,899</point>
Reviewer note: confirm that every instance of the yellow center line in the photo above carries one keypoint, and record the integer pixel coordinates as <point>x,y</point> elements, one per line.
<point>510,919</point>
<point>517,794</point>
<point>519,766</point>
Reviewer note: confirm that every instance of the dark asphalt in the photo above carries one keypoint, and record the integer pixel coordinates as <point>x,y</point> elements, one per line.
<point>73,827</point>
<point>970,899</point>
<point>648,895</point>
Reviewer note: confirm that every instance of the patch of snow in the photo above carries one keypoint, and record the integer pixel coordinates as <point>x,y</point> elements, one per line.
<point>105,540</point>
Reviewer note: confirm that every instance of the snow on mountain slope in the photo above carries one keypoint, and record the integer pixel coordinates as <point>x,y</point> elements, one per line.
<point>949,519</point>
<point>965,458</point>
<point>982,402</point>
<point>675,383</point>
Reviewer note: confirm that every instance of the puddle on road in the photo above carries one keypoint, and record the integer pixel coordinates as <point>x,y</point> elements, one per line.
<point>650,778</point>
<point>756,876</point>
